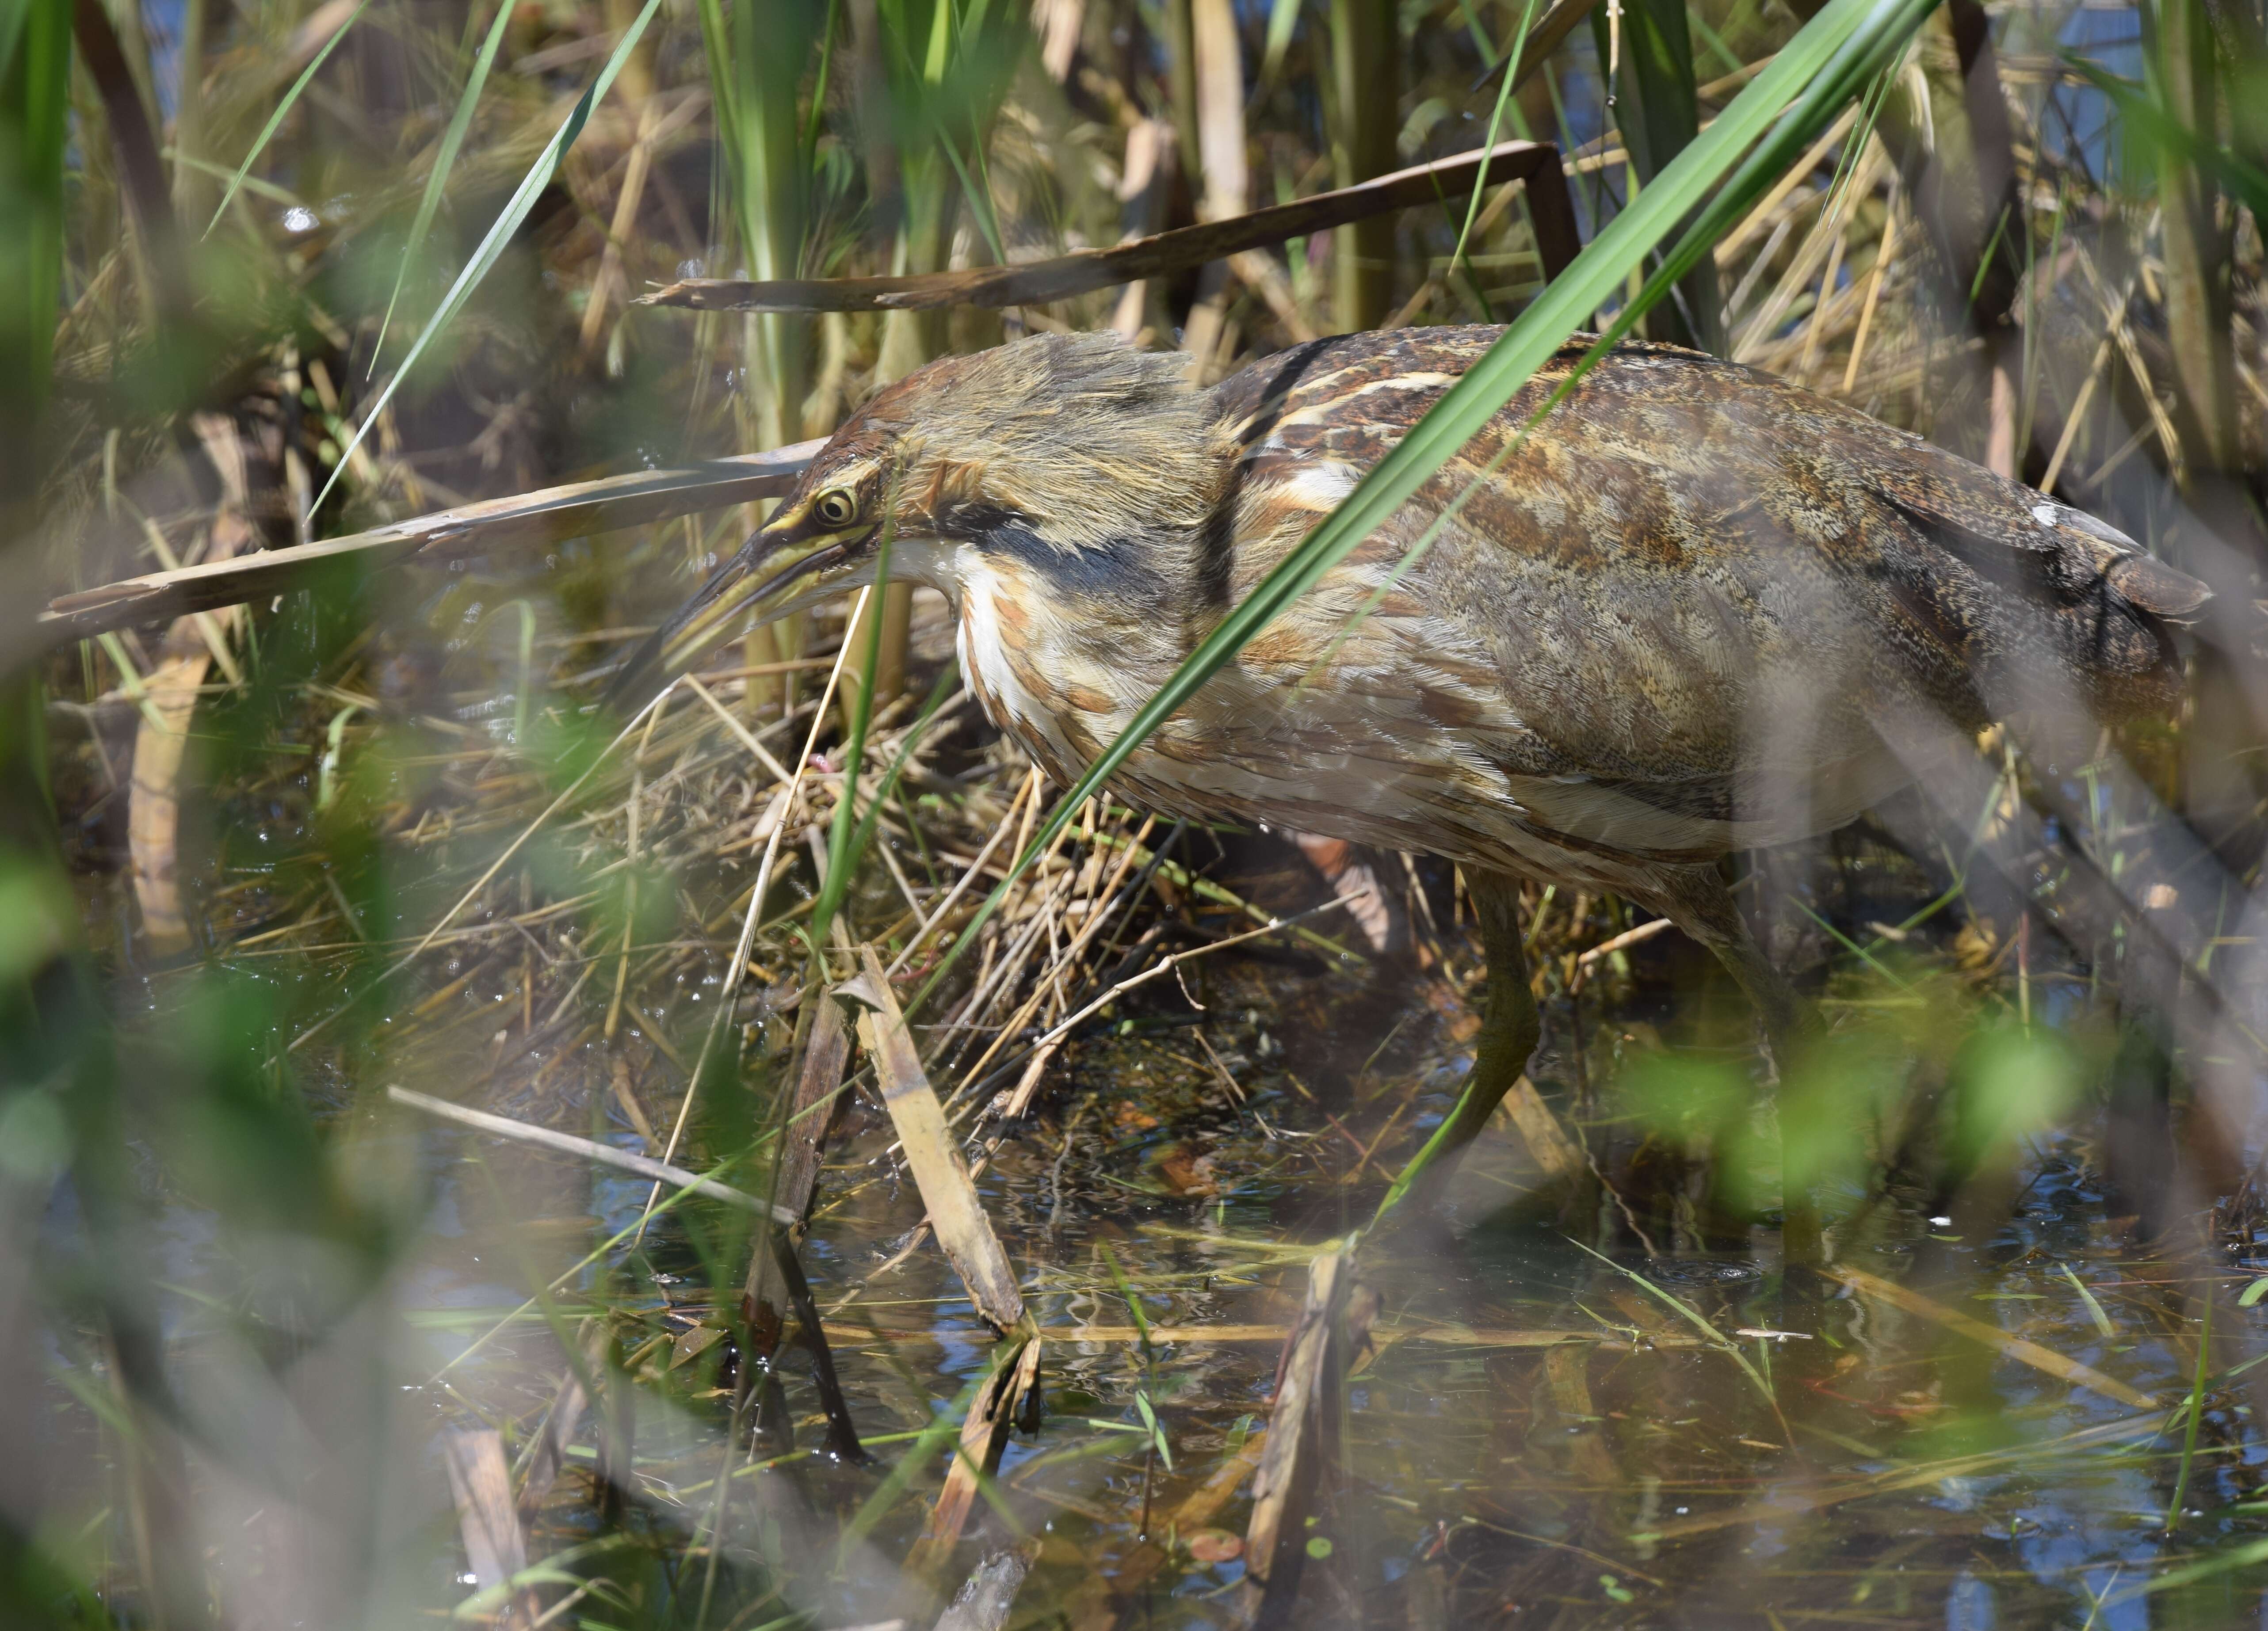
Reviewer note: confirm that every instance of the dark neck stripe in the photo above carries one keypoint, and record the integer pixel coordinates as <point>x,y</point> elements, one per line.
<point>1121,568</point>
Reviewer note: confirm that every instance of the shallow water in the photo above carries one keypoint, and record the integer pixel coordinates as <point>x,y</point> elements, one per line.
<point>1536,1434</point>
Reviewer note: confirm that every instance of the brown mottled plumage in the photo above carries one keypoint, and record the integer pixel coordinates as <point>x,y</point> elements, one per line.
<point>1690,612</point>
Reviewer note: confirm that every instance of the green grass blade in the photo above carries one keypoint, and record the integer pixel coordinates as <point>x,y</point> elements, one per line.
<point>492,247</point>
<point>35,63</point>
<point>840,870</point>
<point>12,13</point>
<point>1812,70</point>
<point>2144,117</point>
<point>2196,1407</point>
<point>854,752</point>
<point>1283,22</point>
<point>1659,115</point>
<point>1510,59</point>
<point>444,159</point>
<point>2095,1309</point>
<point>283,108</point>
<point>1709,1335</point>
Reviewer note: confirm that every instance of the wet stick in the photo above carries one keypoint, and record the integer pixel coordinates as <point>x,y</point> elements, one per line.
<point>1333,1323</point>
<point>976,1454</point>
<point>495,1549</point>
<point>930,1151</point>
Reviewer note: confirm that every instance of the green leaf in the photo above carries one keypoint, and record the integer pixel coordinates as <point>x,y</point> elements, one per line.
<point>1283,21</point>
<point>1157,1432</point>
<point>2251,1295</point>
<point>283,108</point>
<point>2243,1556</point>
<point>444,159</point>
<point>35,70</point>
<point>1511,60</point>
<point>1118,1278</point>
<point>492,247</point>
<point>2102,1321</point>
<point>2145,118</point>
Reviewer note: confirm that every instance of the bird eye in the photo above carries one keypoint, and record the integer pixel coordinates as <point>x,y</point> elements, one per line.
<point>834,507</point>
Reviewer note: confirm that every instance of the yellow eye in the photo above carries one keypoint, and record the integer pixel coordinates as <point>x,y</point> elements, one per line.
<point>834,507</point>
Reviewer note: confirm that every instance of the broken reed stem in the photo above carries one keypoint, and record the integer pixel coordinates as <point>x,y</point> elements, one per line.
<point>588,1149</point>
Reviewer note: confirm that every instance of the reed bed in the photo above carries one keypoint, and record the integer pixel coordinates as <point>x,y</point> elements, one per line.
<point>1083,1309</point>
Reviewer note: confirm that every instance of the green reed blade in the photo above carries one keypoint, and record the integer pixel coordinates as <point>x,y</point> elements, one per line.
<point>1510,59</point>
<point>2196,1409</point>
<point>445,160</point>
<point>283,108</point>
<point>1283,22</point>
<point>499,237</point>
<point>35,63</point>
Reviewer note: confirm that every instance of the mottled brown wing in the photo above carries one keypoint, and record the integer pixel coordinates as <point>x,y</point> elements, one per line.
<point>1693,585</point>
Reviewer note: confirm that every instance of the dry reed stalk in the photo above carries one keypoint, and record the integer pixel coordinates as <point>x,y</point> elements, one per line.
<point>1816,330</point>
<point>1156,971</point>
<point>1085,270</point>
<point>2032,1354</point>
<point>608,279</point>
<point>1418,1333</point>
<point>1561,1159</point>
<point>1883,259</point>
<point>1824,234</point>
<point>733,975</point>
<point>541,517</point>
<point>1205,889</point>
<point>930,1151</point>
<point>1049,985</point>
<point>1302,1438</point>
<point>2077,416</point>
<point>495,1549</point>
<point>588,1149</point>
<point>1767,212</point>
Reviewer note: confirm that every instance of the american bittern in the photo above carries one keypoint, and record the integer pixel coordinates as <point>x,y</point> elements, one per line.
<point>1689,614</point>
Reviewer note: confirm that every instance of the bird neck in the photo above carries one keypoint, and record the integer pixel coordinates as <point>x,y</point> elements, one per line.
<point>1092,538</point>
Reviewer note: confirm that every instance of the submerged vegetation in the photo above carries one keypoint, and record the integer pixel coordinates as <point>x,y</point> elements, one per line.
<point>777,1161</point>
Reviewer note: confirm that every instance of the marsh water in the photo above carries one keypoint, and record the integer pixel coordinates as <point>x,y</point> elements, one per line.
<point>1590,1404</point>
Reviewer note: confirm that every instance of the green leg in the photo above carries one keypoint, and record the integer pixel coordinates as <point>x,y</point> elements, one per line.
<point>1510,1028</point>
<point>1698,902</point>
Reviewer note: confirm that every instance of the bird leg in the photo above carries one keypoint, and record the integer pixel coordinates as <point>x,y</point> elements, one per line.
<point>1697,901</point>
<point>1510,1028</point>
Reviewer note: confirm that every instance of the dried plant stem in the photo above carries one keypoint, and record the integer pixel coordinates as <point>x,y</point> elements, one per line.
<point>589,1149</point>
<point>1028,794</point>
<point>2077,416</point>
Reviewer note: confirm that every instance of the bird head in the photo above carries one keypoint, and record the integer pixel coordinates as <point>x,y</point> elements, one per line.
<point>1060,450</point>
